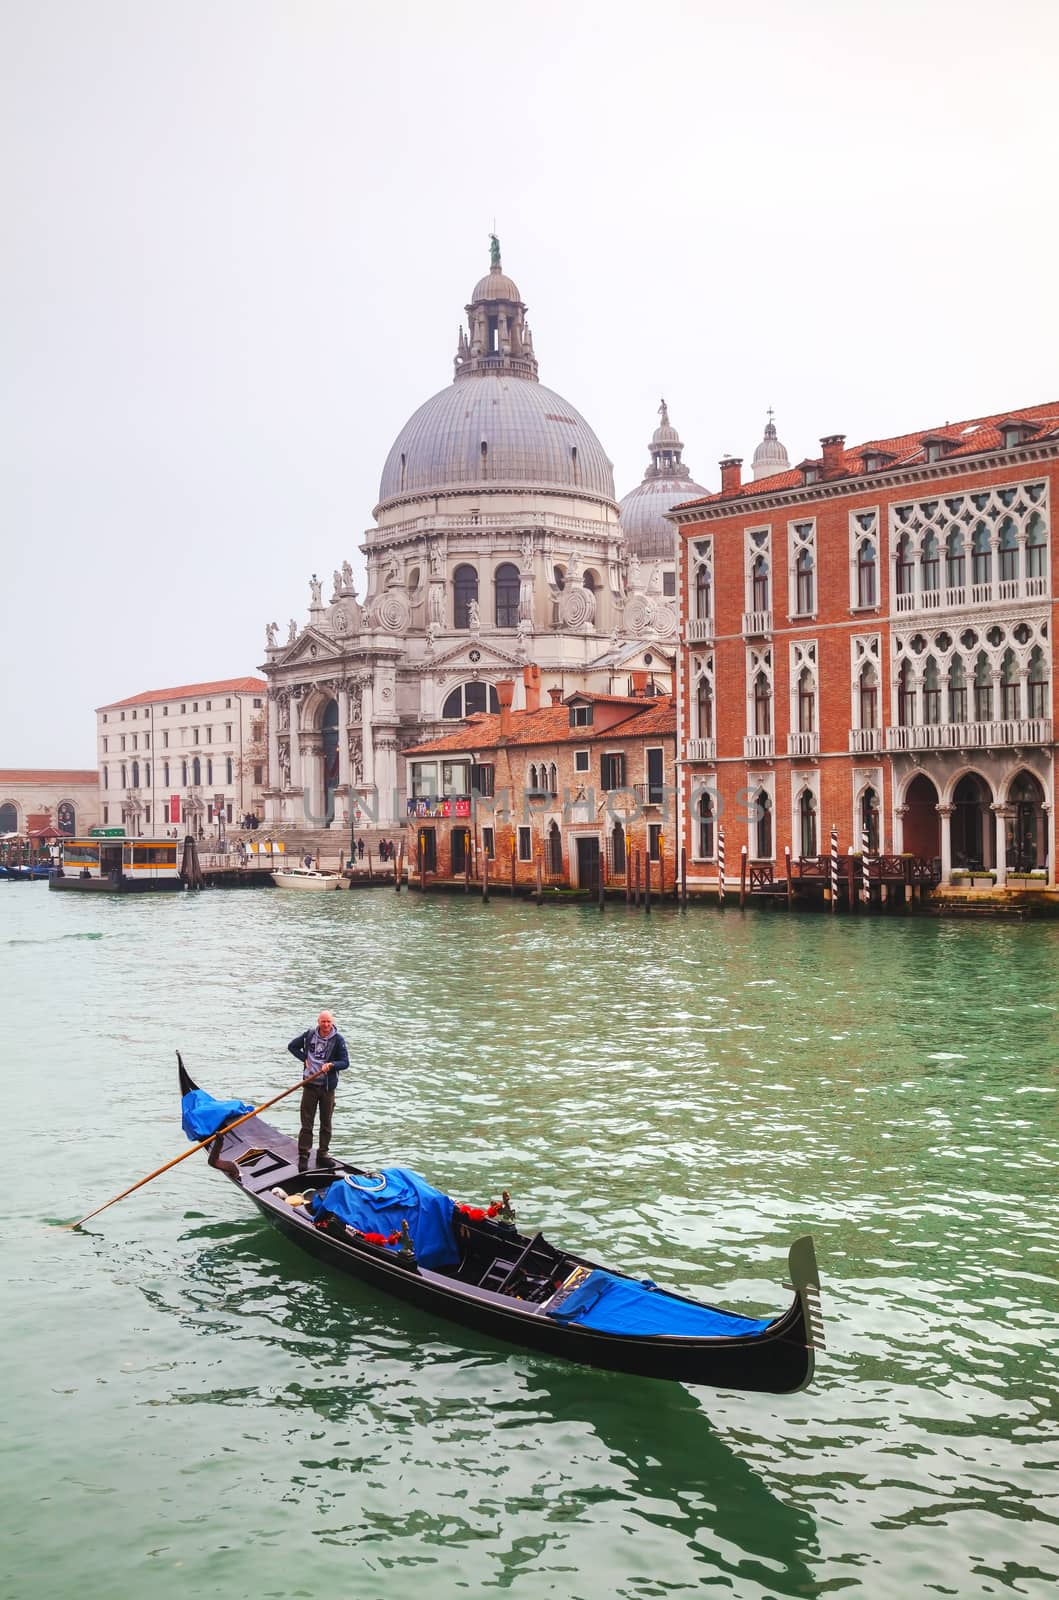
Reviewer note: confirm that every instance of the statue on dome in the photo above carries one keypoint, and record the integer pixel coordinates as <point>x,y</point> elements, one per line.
<point>494,253</point>
<point>663,412</point>
<point>271,635</point>
<point>316,589</point>
<point>347,577</point>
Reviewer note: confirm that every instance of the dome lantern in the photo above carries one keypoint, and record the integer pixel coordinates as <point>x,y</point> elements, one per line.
<point>770,457</point>
<point>498,337</point>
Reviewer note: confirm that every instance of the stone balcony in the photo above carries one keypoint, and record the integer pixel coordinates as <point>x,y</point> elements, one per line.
<point>865,741</point>
<point>970,596</point>
<point>699,630</point>
<point>803,744</point>
<point>1003,734</point>
<point>759,746</point>
<point>702,749</point>
<point>757,624</point>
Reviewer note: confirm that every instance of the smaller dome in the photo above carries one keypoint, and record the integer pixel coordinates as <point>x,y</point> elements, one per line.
<point>770,457</point>
<point>496,286</point>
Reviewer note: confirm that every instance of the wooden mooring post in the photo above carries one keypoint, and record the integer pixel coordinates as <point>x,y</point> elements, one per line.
<point>790,881</point>
<point>742,878</point>
<point>371,878</point>
<point>539,877</point>
<point>720,868</point>
<point>636,877</point>
<point>647,882</point>
<point>851,879</point>
<point>512,866</point>
<point>467,869</point>
<point>485,877</point>
<point>683,876</point>
<point>399,874</point>
<point>600,885</point>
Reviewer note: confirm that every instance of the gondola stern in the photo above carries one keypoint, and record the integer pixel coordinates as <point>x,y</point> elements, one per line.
<point>187,1082</point>
<point>805,1281</point>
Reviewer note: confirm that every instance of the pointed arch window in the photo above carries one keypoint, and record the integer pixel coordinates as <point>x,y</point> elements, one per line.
<point>762,703</point>
<point>931,692</point>
<point>1008,552</point>
<point>983,689</point>
<point>555,849</point>
<point>704,707</point>
<point>806,701</point>
<point>706,819</point>
<point>759,584</point>
<point>905,567</point>
<point>869,822</point>
<point>868,691</point>
<point>807,823</point>
<point>930,564</point>
<point>867,580</point>
<point>464,591</point>
<point>764,826</point>
<point>1035,546</point>
<point>506,583</point>
<point>957,690</point>
<point>805,583</point>
<point>1010,687</point>
<point>954,560</point>
<point>906,696</point>
<point>1037,685</point>
<point>703,591</point>
<point>617,849</point>
<point>981,555</point>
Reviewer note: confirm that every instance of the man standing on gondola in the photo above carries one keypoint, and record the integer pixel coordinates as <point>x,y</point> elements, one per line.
<point>319,1047</point>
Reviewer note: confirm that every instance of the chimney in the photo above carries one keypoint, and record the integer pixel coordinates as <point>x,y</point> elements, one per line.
<point>555,696</point>
<point>639,682</point>
<point>505,693</point>
<point>834,448</point>
<point>531,677</point>
<point>731,475</point>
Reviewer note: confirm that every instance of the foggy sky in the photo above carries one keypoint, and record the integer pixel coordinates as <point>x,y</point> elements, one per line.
<point>239,236</point>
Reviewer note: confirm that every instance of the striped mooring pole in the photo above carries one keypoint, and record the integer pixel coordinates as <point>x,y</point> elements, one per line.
<point>834,869</point>
<point>720,866</point>
<point>865,851</point>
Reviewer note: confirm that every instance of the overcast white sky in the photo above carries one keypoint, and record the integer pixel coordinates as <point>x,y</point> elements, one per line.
<point>239,235</point>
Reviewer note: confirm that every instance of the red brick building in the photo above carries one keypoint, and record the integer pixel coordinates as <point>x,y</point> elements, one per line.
<point>866,643</point>
<point>581,786</point>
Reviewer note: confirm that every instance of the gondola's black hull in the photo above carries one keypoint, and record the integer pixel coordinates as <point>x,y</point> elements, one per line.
<point>778,1360</point>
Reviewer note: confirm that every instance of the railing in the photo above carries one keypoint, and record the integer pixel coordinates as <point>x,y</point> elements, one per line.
<point>702,749</point>
<point>759,747</point>
<point>957,597</point>
<point>699,630</point>
<point>970,735</point>
<point>863,741</point>
<point>756,623</point>
<point>803,744</point>
<point>649,794</point>
<point>492,519</point>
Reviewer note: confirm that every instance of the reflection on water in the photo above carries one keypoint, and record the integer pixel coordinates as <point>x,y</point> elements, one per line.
<point>201,1411</point>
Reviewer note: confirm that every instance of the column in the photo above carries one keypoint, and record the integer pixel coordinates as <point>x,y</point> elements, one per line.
<point>945,815</point>
<point>295,743</point>
<point>273,743</point>
<point>367,711</point>
<point>343,737</point>
<point>1000,843</point>
<point>385,754</point>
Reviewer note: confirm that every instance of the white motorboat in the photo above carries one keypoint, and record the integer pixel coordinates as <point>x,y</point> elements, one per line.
<point>305,878</point>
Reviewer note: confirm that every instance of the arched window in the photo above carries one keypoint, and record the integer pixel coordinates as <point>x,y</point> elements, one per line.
<point>867,587</point>
<point>553,779</point>
<point>1027,826</point>
<point>930,564</point>
<point>983,689</point>
<point>147,774</point>
<point>165,774</point>
<point>136,775</point>
<point>183,774</point>
<point>559,575</point>
<point>906,696</point>
<point>703,591</point>
<point>957,690</point>
<point>704,705</point>
<point>507,587</point>
<point>1010,687</point>
<point>804,583</point>
<point>981,555</point>
<point>904,567</point>
<point>124,776</point>
<point>806,702</point>
<point>869,822</point>
<point>228,770</point>
<point>468,698</point>
<point>209,771</point>
<point>869,696</point>
<point>764,826</point>
<point>555,850</point>
<point>807,822</point>
<point>1035,546</point>
<point>762,704</point>
<point>8,818</point>
<point>531,778</point>
<point>66,818</point>
<point>1009,552</point>
<point>706,821</point>
<point>954,562</point>
<point>106,781</point>
<point>590,581</point>
<point>931,692</point>
<point>196,771</point>
<point>464,590</point>
<point>1037,685</point>
<point>759,584</point>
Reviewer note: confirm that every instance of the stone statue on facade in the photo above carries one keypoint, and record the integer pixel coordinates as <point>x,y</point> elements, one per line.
<point>292,632</point>
<point>654,581</point>
<point>434,558</point>
<point>437,605</point>
<point>336,581</point>
<point>494,253</point>
<point>271,635</point>
<point>356,757</point>
<point>284,767</point>
<point>526,548</point>
<point>392,571</point>
<point>347,577</point>
<point>316,589</point>
<point>474,615</point>
<point>635,579</point>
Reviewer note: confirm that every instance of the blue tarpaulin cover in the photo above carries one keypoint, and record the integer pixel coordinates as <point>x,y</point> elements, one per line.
<point>363,1204</point>
<point>617,1305</point>
<point>202,1115</point>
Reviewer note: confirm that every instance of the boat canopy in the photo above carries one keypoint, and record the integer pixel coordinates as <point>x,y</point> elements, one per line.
<point>619,1305</point>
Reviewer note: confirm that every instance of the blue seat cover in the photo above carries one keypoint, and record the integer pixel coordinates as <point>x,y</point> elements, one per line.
<point>201,1114</point>
<point>618,1305</point>
<point>362,1202</point>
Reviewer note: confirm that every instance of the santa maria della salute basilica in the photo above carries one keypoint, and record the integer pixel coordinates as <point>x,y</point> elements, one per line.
<point>499,552</point>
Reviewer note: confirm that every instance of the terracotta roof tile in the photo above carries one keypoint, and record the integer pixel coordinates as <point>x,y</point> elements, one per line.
<point>968,438</point>
<point>218,686</point>
<point>57,777</point>
<point>551,725</point>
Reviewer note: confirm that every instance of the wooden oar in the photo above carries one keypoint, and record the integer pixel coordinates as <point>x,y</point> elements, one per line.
<point>201,1145</point>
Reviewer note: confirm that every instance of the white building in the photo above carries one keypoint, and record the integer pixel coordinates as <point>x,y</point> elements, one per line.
<point>182,757</point>
<point>497,545</point>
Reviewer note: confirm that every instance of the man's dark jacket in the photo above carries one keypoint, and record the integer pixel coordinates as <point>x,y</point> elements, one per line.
<point>327,1082</point>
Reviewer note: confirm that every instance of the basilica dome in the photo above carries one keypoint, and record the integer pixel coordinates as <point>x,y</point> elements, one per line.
<point>495,429</point>
<point>667,482</point>
<point>496,426</point>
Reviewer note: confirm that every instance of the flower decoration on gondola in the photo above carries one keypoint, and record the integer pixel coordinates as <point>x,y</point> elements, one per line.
<point>501,1210</point>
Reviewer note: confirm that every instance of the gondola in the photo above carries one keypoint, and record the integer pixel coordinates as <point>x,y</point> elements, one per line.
<point>524,1289</point>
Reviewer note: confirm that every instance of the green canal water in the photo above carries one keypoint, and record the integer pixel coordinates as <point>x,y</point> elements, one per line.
<point>191,1408</point>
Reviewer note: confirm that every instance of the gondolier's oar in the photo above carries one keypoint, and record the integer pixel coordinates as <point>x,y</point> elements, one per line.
<point>201,1145</point>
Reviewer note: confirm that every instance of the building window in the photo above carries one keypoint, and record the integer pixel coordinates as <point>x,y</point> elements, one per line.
<point>654,841</point>
<point>867,588</point>
<point>669,583</point>
<point>258,774</point>
<point>1009,552</point>
<point>581,715</point>
<point>705,818</point>
<point>228,772</point>
<point>209,705</point>
<point>905,567</point>
<point>1035,546</point>
<point>483,779</point>
<point>1037,686</point>
<point>489,843</point>
<point>869,822</point>
<point>165,774</point>
<point>464,594</point>
<point>931,693</point>
<point>618,853</point>
<point>612,771</point>
<point>104,744</point>
<point>106,778</point>
<point>183,774</point>
<point>257,705</point>
<point>981,556</point>
<point>983,689</point>
<point>806,702</point>
<point>804,574</point>
<point>802,544</point>
<point>582,761</point>
<point>957,690</point>
<point>165,738</point>
<point>106,815</point>
<point>807,823</point>
<point>704,707</point>
<point>507,591</point>
<point>124,776</point>
<point>209,770</point>
<point>703,591</point>
<point>165,711</point>
<point>555,850</point>
<point>194,705</point>
<point>469,698</point>
<point>1010,687</point>
<point>762,704</point>
<point>122,737</point>
<point>209,735</point>
<point>759,585</point>
<point>196,771</point>
<point>764,826</point>
<point>525,844</point>
<point>930,564</point>
<point>136,775</point>
<point>147,814</point>
<point>954,564</point>
<point>228,730</point>
<point>868,690</point>
<point>906,696</point>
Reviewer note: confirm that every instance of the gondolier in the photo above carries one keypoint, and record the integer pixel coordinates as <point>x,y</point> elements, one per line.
<point>316,1048</point>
